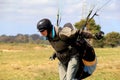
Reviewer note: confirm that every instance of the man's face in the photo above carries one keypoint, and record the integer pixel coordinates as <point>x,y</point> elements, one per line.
<point>44,33</point>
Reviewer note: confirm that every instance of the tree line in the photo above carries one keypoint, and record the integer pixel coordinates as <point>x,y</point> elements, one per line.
<point>111,39</point>
<point>23,38</point>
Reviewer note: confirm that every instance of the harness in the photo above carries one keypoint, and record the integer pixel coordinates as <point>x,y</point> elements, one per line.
<point>88,53</point>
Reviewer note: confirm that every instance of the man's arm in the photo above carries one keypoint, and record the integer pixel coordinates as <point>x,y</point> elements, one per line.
<point>87,35</point>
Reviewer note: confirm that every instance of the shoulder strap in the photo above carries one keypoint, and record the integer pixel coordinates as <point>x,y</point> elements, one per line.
<point>58,29</point>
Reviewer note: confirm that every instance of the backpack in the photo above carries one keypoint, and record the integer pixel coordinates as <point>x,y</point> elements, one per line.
<point>84,48</point>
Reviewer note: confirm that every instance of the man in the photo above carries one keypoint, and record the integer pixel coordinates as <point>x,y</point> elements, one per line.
<point>64,41</point>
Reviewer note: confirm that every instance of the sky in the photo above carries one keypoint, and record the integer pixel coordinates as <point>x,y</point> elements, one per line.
<point>21,17</point>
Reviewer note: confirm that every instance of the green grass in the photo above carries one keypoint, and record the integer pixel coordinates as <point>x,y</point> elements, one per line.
<point>31,62</point>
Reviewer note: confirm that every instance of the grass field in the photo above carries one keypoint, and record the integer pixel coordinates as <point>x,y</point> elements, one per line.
<point>31,62</point>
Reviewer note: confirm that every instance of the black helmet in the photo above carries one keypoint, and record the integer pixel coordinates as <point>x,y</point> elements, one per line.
<point>44,24</point>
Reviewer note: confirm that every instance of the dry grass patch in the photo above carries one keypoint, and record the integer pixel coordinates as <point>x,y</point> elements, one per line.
<point>31,62</point>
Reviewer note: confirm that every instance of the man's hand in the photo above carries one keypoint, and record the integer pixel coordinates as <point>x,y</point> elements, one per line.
<point>99,35</point>
<point>53,57</point>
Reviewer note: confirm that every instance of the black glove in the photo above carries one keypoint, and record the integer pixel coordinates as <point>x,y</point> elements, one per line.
<point>53,56</point>
<point>99,35</point>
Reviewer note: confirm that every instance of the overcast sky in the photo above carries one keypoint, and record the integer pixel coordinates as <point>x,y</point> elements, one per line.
<point>22,16</point>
